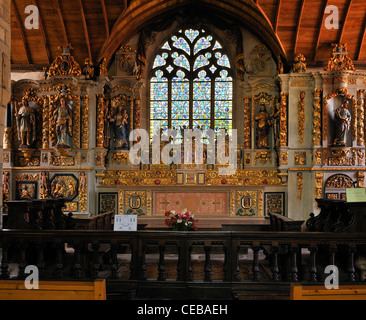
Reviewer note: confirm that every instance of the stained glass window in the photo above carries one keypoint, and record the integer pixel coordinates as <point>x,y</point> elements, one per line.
<point>191,84</point>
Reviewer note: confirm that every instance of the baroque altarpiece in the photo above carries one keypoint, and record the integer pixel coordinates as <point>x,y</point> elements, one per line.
<point>300,131</point>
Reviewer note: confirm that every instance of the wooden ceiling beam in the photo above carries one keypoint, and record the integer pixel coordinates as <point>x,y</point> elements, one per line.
<point>59,12</point>
<point>325,4</point>
<point>277,16</point>
<point>105,15</point>
<point>87,40</point>
<point>362,39</point>
<point>344,21</point>
<point>301,10</point>
<point>44,37</point>
<point>21,30</point>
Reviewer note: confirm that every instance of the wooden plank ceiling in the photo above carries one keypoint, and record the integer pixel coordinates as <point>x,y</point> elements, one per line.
<point>87,24</point>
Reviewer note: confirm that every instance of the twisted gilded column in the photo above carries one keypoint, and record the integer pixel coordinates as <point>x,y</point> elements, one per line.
<point>361,119</point>
<point>317,112</point>
<point>247,126</point>
<point>137,113</point>
<point>85,122</point>
<point>45,124</point>
<point>100,121</point>
<point>283,120</point>
<point>76,121</point>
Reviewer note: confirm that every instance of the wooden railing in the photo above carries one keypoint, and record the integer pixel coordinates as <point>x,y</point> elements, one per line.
<point>86,251</point>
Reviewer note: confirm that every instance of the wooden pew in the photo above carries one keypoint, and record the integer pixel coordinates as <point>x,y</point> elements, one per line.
<point>282,223</point>
<point>54,290</point>
<point>345,292</point>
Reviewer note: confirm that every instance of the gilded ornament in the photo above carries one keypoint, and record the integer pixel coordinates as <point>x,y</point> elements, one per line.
<point>43,185</point>
<point>299,63</point>
<point>83,192</point>
<point>319,185</point>
<point>263,157</point>
<point>300,158</point>
<point>88,69</point>
<point>65,64</point>
<point>361,179</point>
<point>339,181</point>
<point>300,179</point>
<point>339,59</point>
<point>103,71</point>
<point>6,187</point>
<point>7,141</point>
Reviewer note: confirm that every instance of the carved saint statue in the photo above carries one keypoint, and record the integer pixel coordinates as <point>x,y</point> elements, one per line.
<point>342,122</point>
<point>26,122</point>
<point>63,118</point>
<point>263,126</point>
<point>120,126</point>
<point>276,121</point>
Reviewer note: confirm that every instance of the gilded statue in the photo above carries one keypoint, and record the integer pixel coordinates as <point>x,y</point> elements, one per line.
<point>263,127</point>
<point>120,126</point>
<point>63,118</point>
<point>26,122</point>
<point>342,122</point>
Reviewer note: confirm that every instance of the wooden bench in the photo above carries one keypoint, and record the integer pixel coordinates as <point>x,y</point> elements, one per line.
<point>345,292</point>
<point>53,290</point>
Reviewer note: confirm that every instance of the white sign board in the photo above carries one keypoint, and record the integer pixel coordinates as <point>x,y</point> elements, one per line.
<point>124,222</point>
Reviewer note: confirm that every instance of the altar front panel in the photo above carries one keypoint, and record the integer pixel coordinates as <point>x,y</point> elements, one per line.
<point>199,203</point>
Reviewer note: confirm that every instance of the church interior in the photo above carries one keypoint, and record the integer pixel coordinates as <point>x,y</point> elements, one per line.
<point>97,100</point>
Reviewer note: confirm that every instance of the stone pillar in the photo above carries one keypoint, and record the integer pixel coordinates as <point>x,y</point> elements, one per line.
<point>5,79</point>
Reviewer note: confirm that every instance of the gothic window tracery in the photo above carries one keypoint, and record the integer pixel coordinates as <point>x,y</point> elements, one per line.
<point>191,84</point>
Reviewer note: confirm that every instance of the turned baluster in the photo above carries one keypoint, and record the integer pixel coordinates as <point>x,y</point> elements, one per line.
<point>22,260</point>
<point>161,265</point>
<point>275,269</point>
<point>190,266</point>
<point>114,262</point>
<point>208,269</point>
<point>95,261</point>
<point>77,270</point>
<point>225,266</point>
<point>4,262</point>
<point>179,262</point>
<point>59,264</point>
<point>143,263</point>
<point>313,269</point>
<point>293,269</point>
<point>237,267</point>
<point>134,261</point>
<point>40,260</point>
<point>351,264</point>
<point>256,274</point>
<point>332,251</point>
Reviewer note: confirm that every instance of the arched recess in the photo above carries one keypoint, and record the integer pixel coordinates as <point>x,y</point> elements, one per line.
<point>142,13</point>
